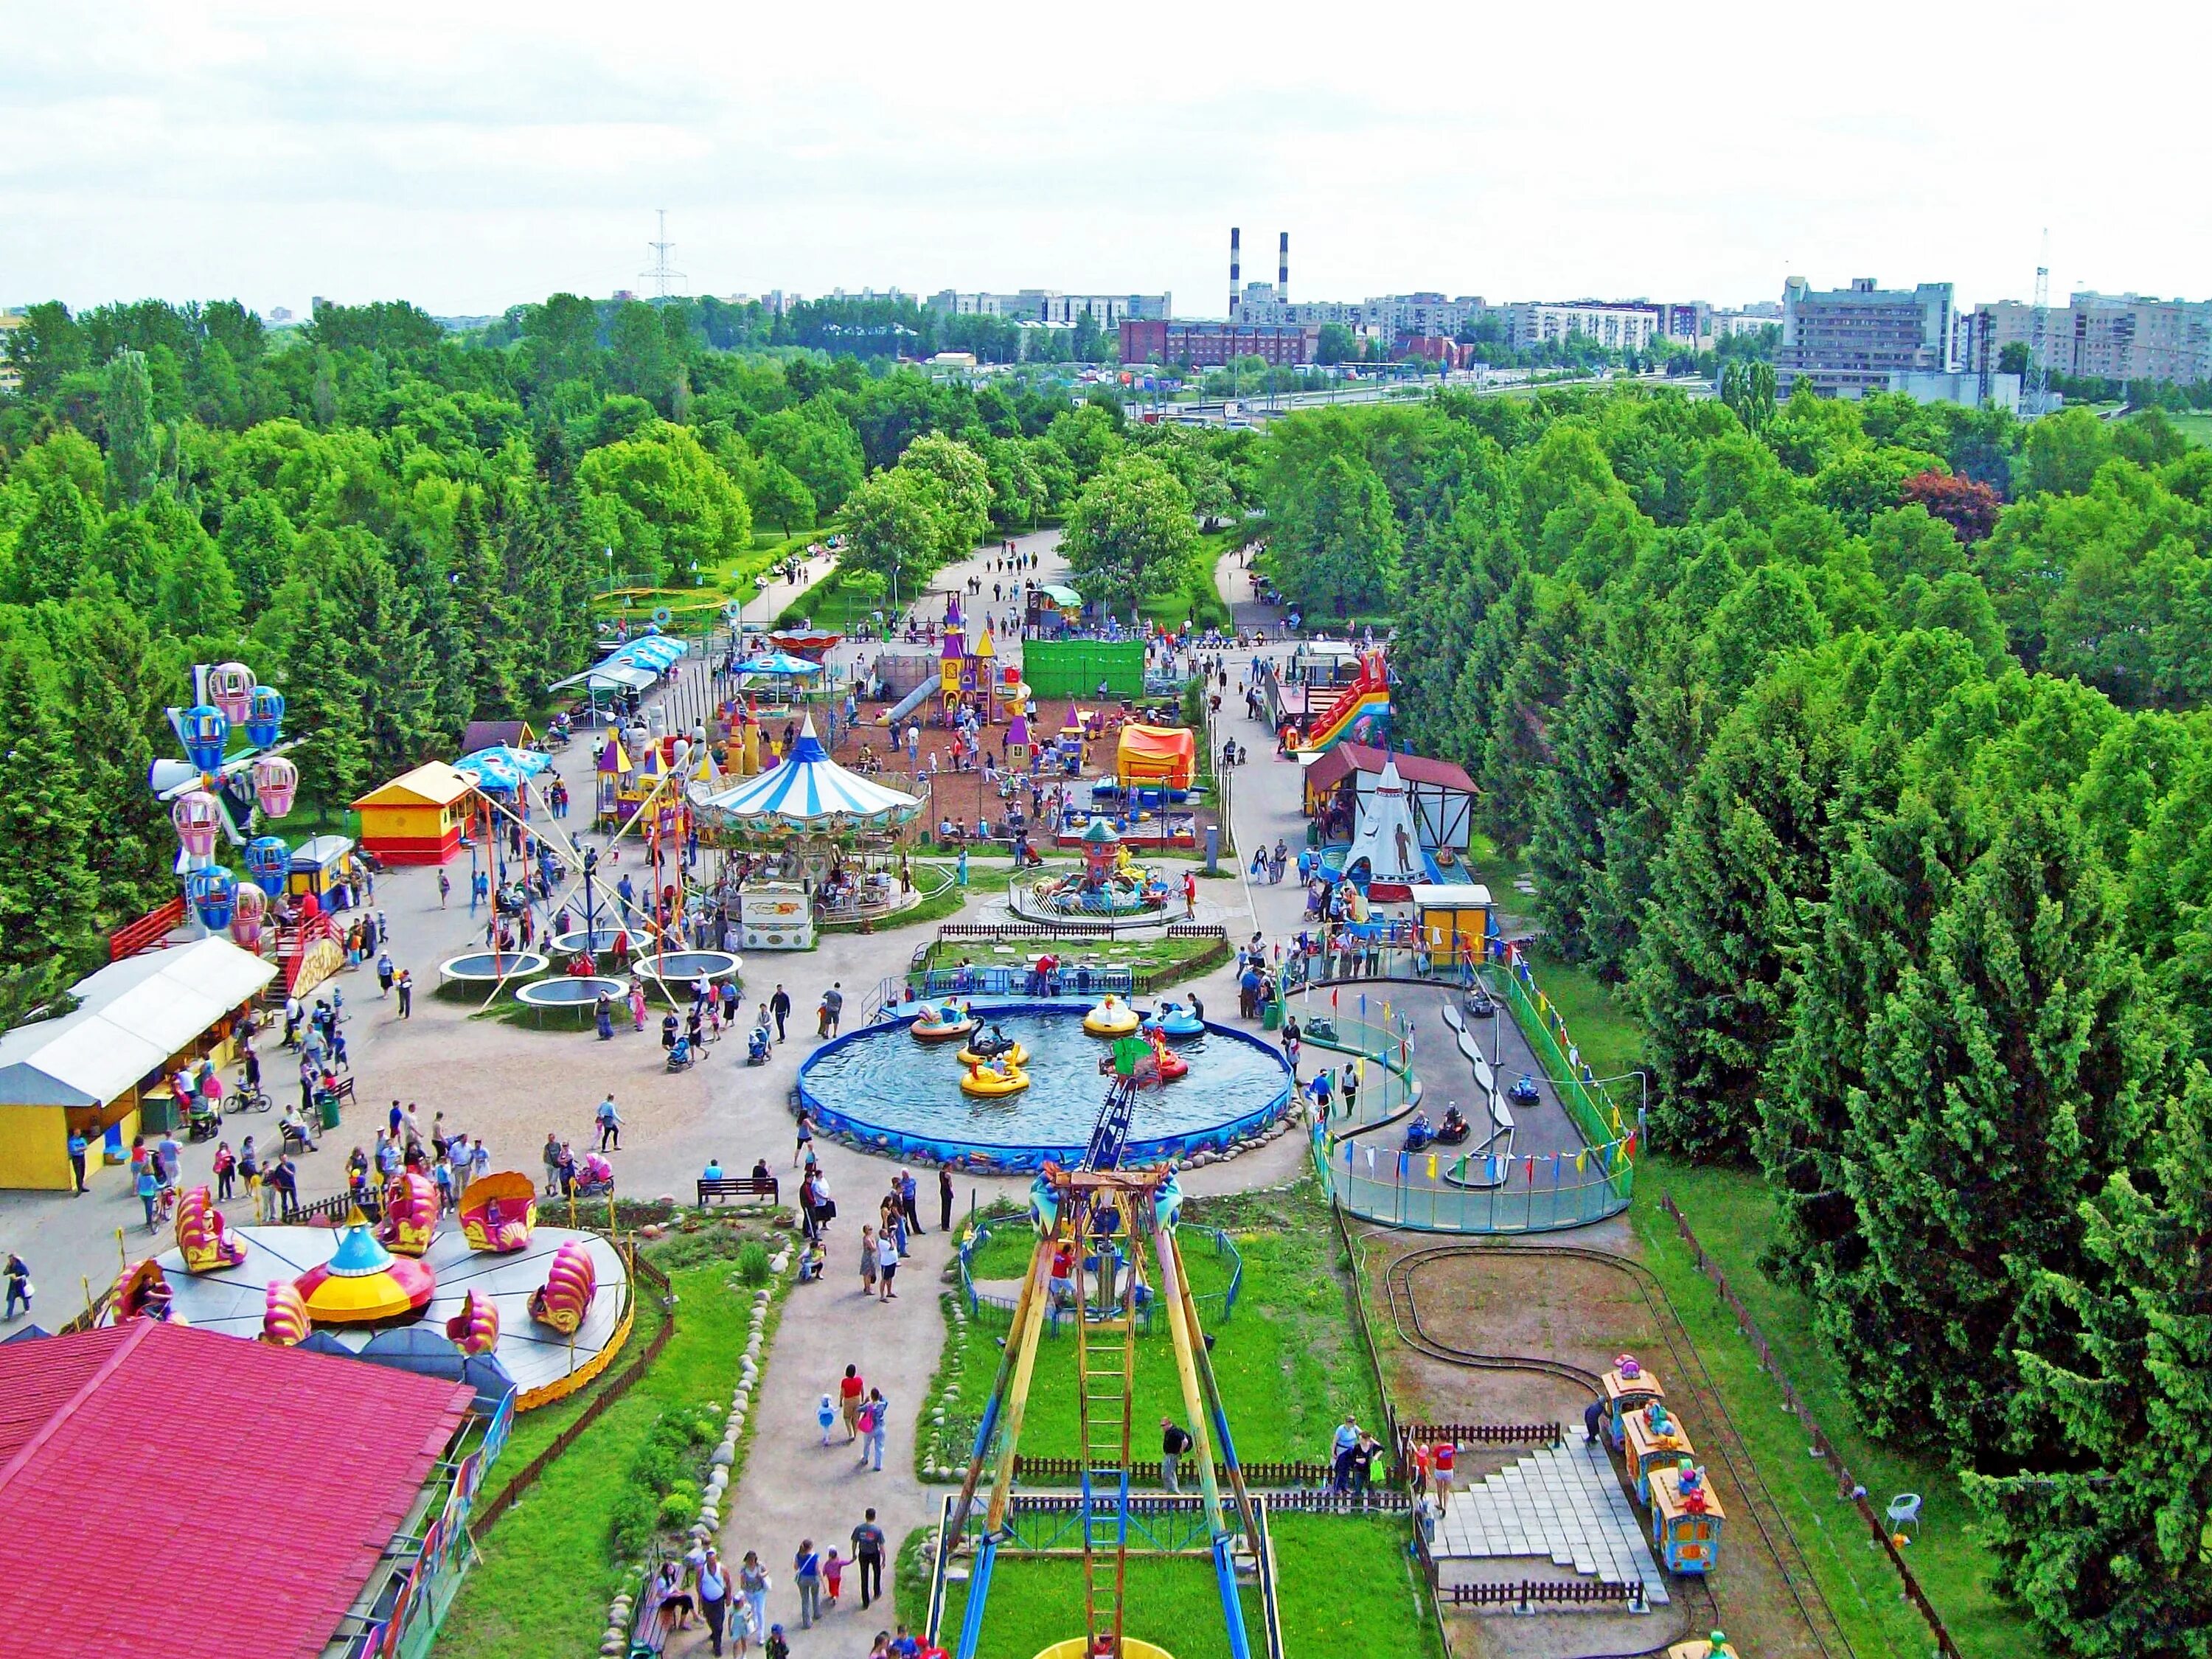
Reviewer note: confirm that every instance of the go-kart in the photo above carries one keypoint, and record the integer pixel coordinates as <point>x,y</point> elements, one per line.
<point>1524,1091</point>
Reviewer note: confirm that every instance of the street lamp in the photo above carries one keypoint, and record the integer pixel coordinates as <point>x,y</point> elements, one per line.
<point>610,552</point>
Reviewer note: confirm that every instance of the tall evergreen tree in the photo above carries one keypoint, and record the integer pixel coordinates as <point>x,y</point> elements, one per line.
<point>126,407</point>
<point>2108,1542</point>
<point>48,897</point>
<point>1730,906</point>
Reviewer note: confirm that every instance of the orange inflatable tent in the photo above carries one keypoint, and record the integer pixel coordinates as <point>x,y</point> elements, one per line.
<point>1155,756</point>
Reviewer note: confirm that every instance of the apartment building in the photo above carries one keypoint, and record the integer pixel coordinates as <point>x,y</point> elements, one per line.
<point>1055,309</point>
<point>1210,345</point>
<point>1848,342</point>
<point>2113,336</point>
<point>1386,315</point>
<point>1617,328</point>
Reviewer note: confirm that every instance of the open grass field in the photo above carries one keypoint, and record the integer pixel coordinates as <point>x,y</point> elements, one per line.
<point>1288,1359</point>
<point>2197,426</point>
<point>730,578</point>
<point>547,1566</point>
<point>1348,1590</point>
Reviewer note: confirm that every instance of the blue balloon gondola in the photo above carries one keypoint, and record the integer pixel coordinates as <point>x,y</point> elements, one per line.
<point>213,894</point>
<point>266,723</point>
<point>206,734</point>
<point>267,860</point>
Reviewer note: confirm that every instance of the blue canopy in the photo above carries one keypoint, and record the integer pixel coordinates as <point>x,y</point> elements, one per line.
<point>779,662</point>
<point>502,767</point>
<point>653,650</point>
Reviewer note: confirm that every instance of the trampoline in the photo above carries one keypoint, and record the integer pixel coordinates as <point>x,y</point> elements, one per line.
<point>677,969</point>
<point>599,941</point>
<point>486,968</point>
<point>577,993</point>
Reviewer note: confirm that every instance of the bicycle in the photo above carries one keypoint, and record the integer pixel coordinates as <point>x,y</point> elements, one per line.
<point>244,1097</point>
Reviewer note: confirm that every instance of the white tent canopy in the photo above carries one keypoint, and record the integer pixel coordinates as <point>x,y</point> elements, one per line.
<point>1386,837</point>
<point>609,677</point>
<point>133,1015</point>
<point>809,791</point>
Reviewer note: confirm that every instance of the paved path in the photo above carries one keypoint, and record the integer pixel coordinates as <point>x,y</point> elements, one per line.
<point>1565,1504</point>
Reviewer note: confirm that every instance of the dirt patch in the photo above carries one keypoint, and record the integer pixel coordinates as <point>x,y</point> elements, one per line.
<point>1583,1312</point>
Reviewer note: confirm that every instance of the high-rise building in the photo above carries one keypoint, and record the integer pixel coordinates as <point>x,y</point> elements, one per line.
<point>1617,328</point>
<point>2113,336</point>
<point>1848,342</point>
<point>1386,315</point>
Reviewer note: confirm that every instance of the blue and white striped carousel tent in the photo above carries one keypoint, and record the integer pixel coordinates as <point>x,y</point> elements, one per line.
<point>503,768</point>
<point>653,650</point>
<point>808,791</point>
<point>779,663</point>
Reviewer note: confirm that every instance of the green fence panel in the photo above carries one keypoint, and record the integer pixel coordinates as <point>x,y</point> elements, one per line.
<point>1076,668</point>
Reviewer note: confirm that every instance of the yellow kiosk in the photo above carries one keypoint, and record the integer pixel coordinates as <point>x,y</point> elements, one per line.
<point>1454,921</point>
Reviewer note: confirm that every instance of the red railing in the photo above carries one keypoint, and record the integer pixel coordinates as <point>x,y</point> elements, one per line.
<point>148,930</point>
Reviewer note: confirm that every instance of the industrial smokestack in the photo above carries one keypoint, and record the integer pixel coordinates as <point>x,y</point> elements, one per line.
<point>1283,268</point>
<point>1236,266</point>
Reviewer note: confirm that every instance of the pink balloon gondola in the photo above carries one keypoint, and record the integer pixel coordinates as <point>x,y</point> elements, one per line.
<point>283,1313</point>
<point>276,781</point>
<point>567,1295</point>
<point>252,912</point>
<point>197,818</point>
<point>474,1329</point>
<point>230,688</point>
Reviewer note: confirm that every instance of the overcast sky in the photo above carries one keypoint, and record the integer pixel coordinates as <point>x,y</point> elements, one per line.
<point>467,156</point>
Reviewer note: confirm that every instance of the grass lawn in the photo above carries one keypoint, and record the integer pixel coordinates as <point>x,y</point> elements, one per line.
<point>1149,956</point>
<point>1348,1590</point>
<point>1599,1018</point>
<point>1288,1360</point>
<point>1196,600</point>
<point>2196,426</point>
<point>726,579</point>
<point>1732,1213</point>
<point>547,1571</point>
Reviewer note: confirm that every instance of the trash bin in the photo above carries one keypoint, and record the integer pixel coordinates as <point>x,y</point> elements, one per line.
<point>327,1104</point>
<point>1271,1015</point>
<point>157,1114</point>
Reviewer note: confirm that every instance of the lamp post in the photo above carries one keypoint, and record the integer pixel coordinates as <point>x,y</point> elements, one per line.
<point>610,552</point>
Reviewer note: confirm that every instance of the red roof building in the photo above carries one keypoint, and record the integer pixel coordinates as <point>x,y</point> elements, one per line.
<point>1442,794</point>
<point>174,1494</point>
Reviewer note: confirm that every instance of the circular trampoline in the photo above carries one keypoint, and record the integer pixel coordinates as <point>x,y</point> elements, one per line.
<point>489,967</point>
<point>577,993</point>
<point>880,1090</point>
<point>677,969</point>
<point>599,939</point>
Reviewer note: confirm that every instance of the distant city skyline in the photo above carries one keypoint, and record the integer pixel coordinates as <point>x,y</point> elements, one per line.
<point>471,160</point>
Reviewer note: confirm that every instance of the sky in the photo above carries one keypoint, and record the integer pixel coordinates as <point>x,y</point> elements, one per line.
<point>475,153</point>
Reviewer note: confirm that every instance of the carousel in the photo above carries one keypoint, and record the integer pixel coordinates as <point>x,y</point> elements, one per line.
<point>819,825</point>
<point>486,1295</point>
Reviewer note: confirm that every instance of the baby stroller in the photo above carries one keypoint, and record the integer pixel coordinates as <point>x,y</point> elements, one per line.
<point>757,1047</point>
<point>596,1179</point>
<point>681,1054</point>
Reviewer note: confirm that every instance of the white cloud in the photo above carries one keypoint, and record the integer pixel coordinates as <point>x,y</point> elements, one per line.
<point>469,156</point>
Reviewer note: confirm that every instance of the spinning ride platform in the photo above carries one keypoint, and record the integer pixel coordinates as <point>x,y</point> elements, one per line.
<point>545,1364</point>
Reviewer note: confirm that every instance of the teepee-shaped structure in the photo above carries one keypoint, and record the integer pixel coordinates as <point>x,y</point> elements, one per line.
<point>1386,841</point>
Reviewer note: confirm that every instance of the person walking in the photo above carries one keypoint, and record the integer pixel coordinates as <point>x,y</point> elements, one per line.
<point>610,1125</point>
<point>833,1574</point>
<point>714,1588</point>
<point>148,1185</point>
<point>868,1552</point>
<point>826,1415</point>
<point>1443,1458</point>
<point>753,1584</point>
<point>907,1194</point>
<point>405,985</point>
<point>867,1261</point>
<point>806,1571</point>
<point>384,972</point>
<point>944,1198</point>
<point>779,1005</point>
<point>19,1288</point>
<point>225,1170</point>
<point>805,1147</point>
<point>851,1390</point>
<point>887,1260</point>
<point>1175,1441</point>
<point>833,1008</point>
<point>445,889</point>
<point>874,1418</point>
<point>1345,1442</point>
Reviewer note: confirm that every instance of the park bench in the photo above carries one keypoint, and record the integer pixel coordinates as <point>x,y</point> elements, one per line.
<point>738,1187</point>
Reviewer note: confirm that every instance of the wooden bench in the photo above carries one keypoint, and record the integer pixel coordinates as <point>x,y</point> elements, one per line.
<point>738,1187</point>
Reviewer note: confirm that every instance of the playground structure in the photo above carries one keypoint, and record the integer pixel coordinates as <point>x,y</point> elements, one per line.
<point>1102,1218</point>
<point>1360,714</point>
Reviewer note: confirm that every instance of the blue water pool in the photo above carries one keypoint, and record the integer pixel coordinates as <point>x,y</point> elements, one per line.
<point>879,1087</point>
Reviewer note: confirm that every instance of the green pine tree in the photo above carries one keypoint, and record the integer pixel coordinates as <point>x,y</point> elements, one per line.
<point>48,901</point>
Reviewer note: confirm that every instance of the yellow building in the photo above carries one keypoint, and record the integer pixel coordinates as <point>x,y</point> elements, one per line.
<point>417,817</point>
<point>94,1068</point>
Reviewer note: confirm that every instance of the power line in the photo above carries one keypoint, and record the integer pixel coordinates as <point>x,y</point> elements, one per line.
<point>662,272</point>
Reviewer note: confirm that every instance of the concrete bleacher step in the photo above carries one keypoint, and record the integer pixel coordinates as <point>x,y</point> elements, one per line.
<point>1565,1504</point>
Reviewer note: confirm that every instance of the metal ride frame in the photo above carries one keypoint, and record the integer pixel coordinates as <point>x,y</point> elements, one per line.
<point>1097,1205</point>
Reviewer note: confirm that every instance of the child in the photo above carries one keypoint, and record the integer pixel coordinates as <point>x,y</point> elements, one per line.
<point>833,1569</point>
<point>825,1414</point>
<point>777,1647</point>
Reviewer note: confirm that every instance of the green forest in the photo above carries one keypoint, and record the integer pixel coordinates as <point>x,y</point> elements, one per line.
<point>403,530</point>
<point>1865,745</point>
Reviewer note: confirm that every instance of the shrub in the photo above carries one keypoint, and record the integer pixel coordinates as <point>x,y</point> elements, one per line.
<point>752,1264</point>
<point>632,1521</point>
<point>675,1513</point>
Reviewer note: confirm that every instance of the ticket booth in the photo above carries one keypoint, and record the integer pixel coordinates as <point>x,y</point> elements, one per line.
<point>1686,1539</point>
<point>775,915</point>
<point>1453,920</point>
<point>1627,1391</point>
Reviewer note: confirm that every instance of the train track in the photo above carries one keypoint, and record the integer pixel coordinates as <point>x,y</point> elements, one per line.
<point>1717,1430</point>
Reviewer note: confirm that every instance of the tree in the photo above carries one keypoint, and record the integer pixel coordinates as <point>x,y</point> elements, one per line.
<point>1729,910</point>
<point>818,445</point>
<point>1131,537</point>
<point>1748,389</point>
<point>127,411</point>
<point>2061,454</point>
<point>962,487</point>
<point>1336,345</point>
<point>48,896</point>
<point>1337,543</point>
<point>660,501</point>
<point>890,526</point>
<point>2104,1539</point>
<point>778,497</point>
<point>1967,504</point>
